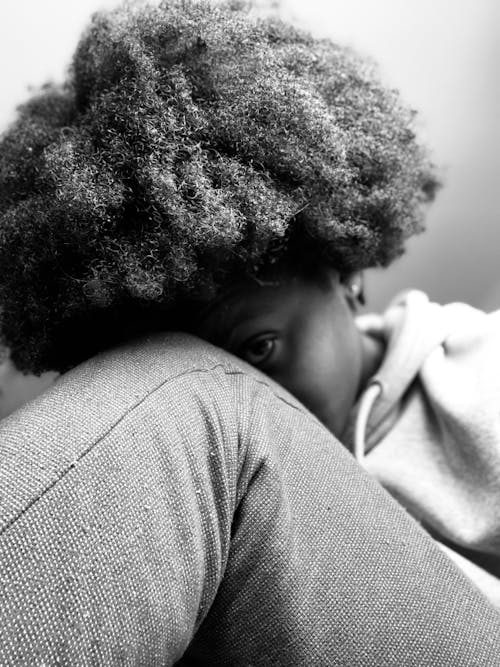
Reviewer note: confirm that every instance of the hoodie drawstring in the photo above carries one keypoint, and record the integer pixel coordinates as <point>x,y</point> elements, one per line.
<point>367,401</point>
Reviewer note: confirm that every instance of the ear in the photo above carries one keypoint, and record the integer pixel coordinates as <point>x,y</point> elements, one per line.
<point>354,288</point>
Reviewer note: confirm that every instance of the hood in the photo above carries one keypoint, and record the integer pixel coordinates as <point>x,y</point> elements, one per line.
<point>430,418</point>
<point>410,329</point>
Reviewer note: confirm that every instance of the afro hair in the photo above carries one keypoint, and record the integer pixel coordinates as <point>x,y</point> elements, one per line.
<point>191,145</point>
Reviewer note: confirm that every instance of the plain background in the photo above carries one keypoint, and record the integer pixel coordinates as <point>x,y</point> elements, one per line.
<point>444,57</point>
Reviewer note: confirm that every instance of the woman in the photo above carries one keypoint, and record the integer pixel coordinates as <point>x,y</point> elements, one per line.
<point>163,502</point>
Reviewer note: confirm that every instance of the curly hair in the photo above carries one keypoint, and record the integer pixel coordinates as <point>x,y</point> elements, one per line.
<point>190,145</point>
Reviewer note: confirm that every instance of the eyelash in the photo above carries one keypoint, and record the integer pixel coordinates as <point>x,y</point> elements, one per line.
<point>245,349</point>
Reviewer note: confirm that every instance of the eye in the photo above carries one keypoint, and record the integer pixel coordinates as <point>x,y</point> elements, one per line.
<point>258,350</point>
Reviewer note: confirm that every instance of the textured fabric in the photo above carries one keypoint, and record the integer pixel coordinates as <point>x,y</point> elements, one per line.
<point>164,499</point>
<point>434,434</point>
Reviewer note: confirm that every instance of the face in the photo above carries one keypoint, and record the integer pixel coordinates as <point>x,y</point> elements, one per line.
<point>300,333</point>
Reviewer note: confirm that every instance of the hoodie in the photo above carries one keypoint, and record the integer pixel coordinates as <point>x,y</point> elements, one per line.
<point>427,426</point>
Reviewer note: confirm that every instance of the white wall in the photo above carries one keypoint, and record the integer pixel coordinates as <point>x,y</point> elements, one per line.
<point>37,38</point>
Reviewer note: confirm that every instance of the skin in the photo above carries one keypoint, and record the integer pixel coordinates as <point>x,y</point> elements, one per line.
<point>303,335</point>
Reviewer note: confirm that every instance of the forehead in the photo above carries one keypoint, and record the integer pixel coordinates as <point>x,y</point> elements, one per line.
<point>245,301</point>
<point>254,303</point>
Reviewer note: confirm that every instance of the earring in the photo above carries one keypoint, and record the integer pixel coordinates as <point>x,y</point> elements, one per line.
<point>355,289</point>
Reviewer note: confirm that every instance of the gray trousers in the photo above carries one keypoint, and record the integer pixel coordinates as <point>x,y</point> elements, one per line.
<point>165,503</point>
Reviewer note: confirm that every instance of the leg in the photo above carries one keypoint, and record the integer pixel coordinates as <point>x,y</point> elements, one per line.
<point>163,500</point>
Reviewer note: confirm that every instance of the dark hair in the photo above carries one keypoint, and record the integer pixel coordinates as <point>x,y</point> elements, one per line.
<point>190,145</point>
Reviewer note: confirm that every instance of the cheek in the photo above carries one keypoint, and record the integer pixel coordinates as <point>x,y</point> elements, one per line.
<point>324,372</point>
